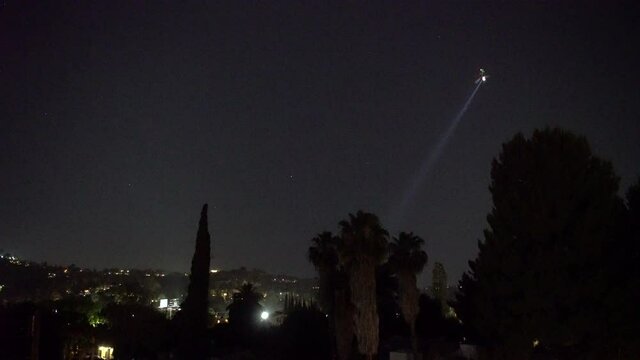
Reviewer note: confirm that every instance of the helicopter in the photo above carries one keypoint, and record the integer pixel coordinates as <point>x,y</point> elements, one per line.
<point>482,77</point>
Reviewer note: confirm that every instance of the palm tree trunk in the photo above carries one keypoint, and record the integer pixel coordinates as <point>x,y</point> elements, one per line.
<point>409,296</point>
<point>414,340</point>
<point>363,295</point>
<point>343,324</point>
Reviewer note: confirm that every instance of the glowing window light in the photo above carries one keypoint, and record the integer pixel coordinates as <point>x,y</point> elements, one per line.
<point>105,352</point>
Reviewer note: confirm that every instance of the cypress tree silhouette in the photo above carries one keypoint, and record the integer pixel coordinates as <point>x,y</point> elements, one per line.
<point>192,319</point>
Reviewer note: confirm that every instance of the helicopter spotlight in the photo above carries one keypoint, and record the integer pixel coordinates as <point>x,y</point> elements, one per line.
<point>482,77</point>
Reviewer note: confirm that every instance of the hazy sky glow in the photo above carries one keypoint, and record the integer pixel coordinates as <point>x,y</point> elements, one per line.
<point>119,119</point>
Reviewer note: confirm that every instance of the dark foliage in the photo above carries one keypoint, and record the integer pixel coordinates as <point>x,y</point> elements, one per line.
<point>623,293</point>
<point>333,294</point>
<point>244,311</point>
<point>136,331</point>
<point>305,335</point>
<point>363,247</point>
<point>439,285</point>
<point>192,320</point>
<point>50,331</point>
<point>432,324</point>
<point>541,273</point>
<point>15,331</point>
<point>391,322</point>
<point>406,260</point>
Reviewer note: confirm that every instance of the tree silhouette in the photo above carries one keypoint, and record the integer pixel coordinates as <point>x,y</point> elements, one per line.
<point>344,312</point>
<point>363,248</point>
<point>392,324</point>
<point>632,269</point>
<point>407,259</point>
<point>431,324</point>
<point>138,331</point>
<point>622,335</point>
<point>305,333</point>
<point>333,293</point>
<point>539,276</point>
<point>192,319</point>
<point>439,286</point>
<point>245,309</point>
<point>323,254</point>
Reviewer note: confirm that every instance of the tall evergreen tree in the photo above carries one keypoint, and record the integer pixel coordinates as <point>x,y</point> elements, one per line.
<point>623,291</point>
<point>539,277</point>
<point>192,319</point>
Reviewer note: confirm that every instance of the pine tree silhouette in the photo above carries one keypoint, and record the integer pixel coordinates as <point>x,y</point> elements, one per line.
<point>192,319</point>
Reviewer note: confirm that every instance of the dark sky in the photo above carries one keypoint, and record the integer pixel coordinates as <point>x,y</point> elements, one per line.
<point>118,119</point>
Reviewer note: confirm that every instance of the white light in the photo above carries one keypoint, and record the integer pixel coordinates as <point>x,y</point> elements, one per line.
<point>264,315</point>
<point>164,303</point>
<point>484,78</point>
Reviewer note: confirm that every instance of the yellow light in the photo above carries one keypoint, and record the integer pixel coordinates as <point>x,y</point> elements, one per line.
<point>105,352</point>
<point>536,342</point>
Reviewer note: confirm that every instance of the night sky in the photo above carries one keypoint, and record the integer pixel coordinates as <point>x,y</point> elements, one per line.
<point>118,120</point>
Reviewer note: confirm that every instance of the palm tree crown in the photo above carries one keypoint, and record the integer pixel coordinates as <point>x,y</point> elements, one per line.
<point>363,247</point>
<point>407,259</point>
<point>363,238</point>
<point>407,254</point>
<point>323,254</point>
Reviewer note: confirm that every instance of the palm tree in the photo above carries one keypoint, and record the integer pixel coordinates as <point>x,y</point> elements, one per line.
<point>407,259</point>
<point>333,294</point>
<point>323,254</point>
<point>363,248</point>
<point>245,309</point>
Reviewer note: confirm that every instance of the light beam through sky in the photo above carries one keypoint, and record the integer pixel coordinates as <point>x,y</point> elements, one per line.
<point>429,162</point>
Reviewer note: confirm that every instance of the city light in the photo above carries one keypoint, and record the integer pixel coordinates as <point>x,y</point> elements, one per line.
<point>105,352</point>
<point>164,303</point>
